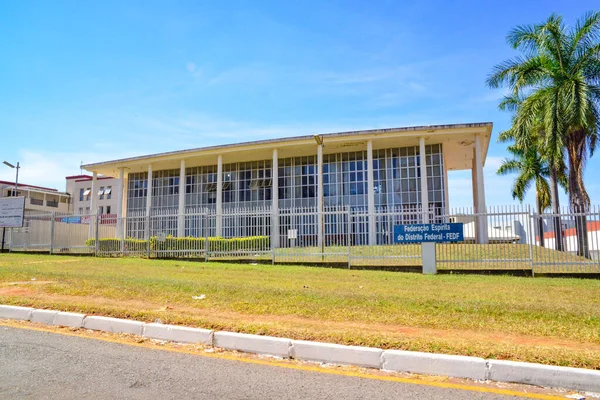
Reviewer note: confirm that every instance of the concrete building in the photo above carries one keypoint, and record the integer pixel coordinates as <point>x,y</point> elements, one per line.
<point>37,198</point>
<point>402,169</point>
<point>103,198</point>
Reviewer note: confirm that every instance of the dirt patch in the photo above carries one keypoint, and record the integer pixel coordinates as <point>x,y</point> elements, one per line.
<point>300,324</point>
<point>26,283</point>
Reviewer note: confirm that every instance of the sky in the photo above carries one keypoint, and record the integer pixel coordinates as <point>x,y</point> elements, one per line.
<point>84,82</point>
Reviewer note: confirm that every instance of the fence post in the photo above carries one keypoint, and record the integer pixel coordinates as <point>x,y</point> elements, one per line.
<point>348,237</point>
<point>122,233</point>
<point>97,241</point>
<point>148,234</point>
<point>206,243</point>
<point>532,240</point>
<point>428,258</point>
<point>52,232</point>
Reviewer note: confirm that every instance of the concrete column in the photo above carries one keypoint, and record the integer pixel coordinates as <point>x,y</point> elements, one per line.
<point>120,193</point>
<point>424,186</point>
<point>219,222</point>
<point>482,225</point>
<point>371,195</point>
<point>149,201</point>
<point>320,194</point>
<point>446,197</point>
<point>275,201</point>
<point>93,210</point>
<point>181,211</point>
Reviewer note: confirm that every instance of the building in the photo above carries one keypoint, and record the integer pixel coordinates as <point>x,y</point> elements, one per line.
<point>105,197</point>
<point>403,169</point>
<point>37,198</point>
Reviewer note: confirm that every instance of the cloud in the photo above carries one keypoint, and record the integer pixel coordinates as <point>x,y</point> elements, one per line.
<point>191,67</point>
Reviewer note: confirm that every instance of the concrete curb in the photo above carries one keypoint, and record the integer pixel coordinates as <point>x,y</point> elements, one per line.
<point>253,343</point>
<point>175,333</point>
<point>337,354</point>
<point>435,364</point>
<point>16,312</point>
<point>114,325</point>
<point>389,360</point>
<point>544,375</point>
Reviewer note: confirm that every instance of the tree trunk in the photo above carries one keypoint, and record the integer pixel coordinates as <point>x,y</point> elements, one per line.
<point>556,222</point>
<point>578,197</point>
<point>540,220</point>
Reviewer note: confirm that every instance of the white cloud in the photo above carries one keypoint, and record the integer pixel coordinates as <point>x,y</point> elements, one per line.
<point>191,67</point>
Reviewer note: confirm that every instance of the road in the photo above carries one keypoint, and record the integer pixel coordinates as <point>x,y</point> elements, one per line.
<point>44,365</point>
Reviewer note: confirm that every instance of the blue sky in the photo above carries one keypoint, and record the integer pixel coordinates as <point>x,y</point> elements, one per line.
<point>91,81</point>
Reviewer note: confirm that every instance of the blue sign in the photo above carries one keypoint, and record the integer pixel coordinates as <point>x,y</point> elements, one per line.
<point>71,220</point>
<point>418,233</point>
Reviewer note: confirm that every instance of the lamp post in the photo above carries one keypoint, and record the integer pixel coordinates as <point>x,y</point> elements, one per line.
<point>15,193</point>
<point>321,195</point>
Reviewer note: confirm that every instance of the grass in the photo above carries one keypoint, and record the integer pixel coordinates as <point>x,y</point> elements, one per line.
<point>549,320</point>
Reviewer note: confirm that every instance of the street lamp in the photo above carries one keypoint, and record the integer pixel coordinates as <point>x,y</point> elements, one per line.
<point>16,192</point>
<point>321,185</point>
<point>17,178</point>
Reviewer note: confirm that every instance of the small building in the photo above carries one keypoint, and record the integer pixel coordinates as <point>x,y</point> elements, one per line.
<point>399,169</point>
<point>104,194</point>
<point>37,198</point>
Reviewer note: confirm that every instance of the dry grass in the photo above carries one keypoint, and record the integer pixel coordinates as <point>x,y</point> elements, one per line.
<point>554,321</point>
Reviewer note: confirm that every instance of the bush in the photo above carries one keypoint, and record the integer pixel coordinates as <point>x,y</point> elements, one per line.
<point>114,244</point>
<point>215,244</point>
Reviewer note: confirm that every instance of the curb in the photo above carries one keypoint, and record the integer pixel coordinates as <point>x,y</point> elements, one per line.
<point>388,360</point>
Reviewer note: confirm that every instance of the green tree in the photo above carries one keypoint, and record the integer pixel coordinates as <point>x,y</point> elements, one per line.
<point>558,79</point>
<point>531,169</point>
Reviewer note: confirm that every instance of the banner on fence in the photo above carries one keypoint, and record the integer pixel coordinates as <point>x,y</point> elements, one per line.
<point>439,233</point>
<point>12,211</point>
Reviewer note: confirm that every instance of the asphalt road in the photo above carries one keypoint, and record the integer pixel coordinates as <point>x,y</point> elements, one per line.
<point>42,365</point>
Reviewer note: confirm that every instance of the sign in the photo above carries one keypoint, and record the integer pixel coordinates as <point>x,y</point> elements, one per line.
<point>71,220</point>
<point>12,211</point>
<point>438,233</point>
<point>161,237</point>
<point>292,234</point>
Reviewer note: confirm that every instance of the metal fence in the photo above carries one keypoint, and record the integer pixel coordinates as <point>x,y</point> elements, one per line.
<point>518,238</point>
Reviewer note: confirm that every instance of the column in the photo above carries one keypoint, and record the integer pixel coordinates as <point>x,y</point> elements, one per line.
<point>120,193</point>
<point>148,201</point>
<point>424,187</point>
<point>446,197</point>
<point>275,201</point>
<point>482,224</point>
<point>181,210</point>
<point>320,195</point>
<point>371,195</point>
<point>93,195</point>
<point>219,222</point>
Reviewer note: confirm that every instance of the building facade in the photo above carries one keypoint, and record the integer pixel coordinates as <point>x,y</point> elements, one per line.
<point>37,198</point>
<point>398,169</point>
<point>105,194</point>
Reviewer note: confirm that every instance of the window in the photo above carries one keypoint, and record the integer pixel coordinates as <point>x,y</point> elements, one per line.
<point>80,210</point>
<point>108,193</point>
<point>100,210</point>
<point>87,193</point>
<point>81,194</point>
<point>101,193</point>
<point>108,209</point>
<point>87,210</point>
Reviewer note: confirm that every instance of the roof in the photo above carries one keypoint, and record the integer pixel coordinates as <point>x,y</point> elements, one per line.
<point>485,128</point>
<point>24,185</point>
<point>78,177</point>
<point>293,138</point>
<point>592,226</point>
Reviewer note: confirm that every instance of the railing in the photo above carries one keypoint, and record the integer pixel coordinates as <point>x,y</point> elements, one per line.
<point>340,235</point>
<point>51,203</point>
<point>36,202</point>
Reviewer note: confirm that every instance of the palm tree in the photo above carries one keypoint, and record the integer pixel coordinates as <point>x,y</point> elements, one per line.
<point>531,169</point>
<point>558,78</point>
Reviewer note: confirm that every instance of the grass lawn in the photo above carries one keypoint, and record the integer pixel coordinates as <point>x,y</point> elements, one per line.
<point>548,320</point>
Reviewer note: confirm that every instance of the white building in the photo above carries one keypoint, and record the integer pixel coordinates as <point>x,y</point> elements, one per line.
<point>403,169</point>
<point>104,194</point>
